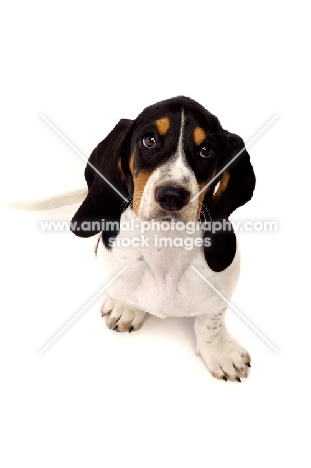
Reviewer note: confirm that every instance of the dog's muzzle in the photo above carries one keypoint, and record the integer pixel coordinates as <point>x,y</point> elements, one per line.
<point>172,198</point>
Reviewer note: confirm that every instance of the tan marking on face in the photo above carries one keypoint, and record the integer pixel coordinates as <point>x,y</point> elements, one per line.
<point>140,181</point>
<point>163,125</point>
<point>223,184</point>
<point>120,170</point>
<point>131,164</point>
<point>202,195</point>
<point>199,135</point>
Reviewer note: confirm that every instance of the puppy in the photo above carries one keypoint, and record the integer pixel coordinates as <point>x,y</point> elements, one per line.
<point>157,187</point>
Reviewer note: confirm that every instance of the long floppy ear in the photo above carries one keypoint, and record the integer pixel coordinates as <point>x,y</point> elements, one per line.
<point>104,201</point>
<point>236,188</point>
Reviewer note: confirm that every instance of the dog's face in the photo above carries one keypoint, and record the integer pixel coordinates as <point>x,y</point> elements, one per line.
<point>160,162</point>
<point>174,154</point>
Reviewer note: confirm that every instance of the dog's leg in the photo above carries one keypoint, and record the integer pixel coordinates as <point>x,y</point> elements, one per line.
<point>225,358</point>
<point>121,316</point>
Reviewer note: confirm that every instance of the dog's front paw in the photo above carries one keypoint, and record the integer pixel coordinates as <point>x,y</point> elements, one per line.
<point>121,316</point>
<point>227,361</point>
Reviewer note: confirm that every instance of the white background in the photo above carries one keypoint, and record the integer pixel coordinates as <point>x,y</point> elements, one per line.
<point>97,398</point>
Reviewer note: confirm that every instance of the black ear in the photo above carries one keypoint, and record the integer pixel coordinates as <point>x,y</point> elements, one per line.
<point>236,188</point>
<point>104,201</point>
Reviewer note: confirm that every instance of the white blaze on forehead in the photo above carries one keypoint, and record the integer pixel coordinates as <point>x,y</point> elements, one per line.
<point>180,147</point>
<point>178,168</point>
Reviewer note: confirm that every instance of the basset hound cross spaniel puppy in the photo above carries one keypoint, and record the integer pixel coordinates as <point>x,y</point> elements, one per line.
<point>163,171</point>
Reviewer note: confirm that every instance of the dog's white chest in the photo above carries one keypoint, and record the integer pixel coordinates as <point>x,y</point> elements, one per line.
<point>159,277</point>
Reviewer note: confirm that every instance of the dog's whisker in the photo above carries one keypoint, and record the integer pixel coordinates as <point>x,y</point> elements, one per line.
<point>208,211</point>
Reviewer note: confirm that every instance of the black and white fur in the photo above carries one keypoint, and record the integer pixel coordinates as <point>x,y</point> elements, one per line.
<point>186,148</point>
<point>159,162</point>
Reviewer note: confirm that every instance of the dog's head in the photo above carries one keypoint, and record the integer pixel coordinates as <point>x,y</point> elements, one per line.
<point>159,163</point>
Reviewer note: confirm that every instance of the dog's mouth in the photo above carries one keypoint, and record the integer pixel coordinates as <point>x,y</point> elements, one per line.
<point>168,216</point>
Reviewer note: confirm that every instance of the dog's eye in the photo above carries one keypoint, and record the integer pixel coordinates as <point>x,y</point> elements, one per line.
<point>206,152</point>
<point>149,141</point>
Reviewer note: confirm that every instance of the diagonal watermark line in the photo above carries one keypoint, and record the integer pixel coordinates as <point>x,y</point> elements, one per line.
<point>234,158</point>
<point>83,157</point>
<point>236,310</point>
<point>81,311</point>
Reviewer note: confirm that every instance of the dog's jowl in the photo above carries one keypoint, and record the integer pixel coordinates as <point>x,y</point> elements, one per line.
<point>164,187</point>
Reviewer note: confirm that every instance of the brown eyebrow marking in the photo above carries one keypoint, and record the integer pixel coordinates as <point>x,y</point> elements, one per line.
<point>199,135</point>
<point>163,125</point>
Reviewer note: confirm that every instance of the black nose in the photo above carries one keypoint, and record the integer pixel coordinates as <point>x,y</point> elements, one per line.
<point>171,198</point>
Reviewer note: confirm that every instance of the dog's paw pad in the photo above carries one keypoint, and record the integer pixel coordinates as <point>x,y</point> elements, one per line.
<point>122,317</point>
